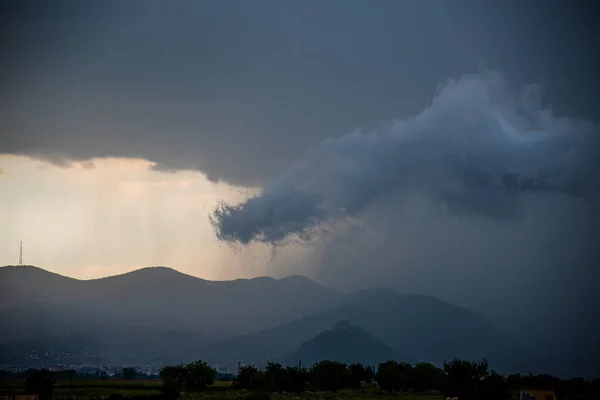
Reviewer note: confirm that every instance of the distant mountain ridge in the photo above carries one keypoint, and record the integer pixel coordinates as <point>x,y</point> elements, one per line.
<point>161,296</point>
<point>159,315</point>
<point>419,328</point>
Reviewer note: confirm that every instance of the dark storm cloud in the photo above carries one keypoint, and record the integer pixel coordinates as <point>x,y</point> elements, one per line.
<point>238,89</point>
<point>485,199</point>
<point>535,276</point>
<point>476,150</point>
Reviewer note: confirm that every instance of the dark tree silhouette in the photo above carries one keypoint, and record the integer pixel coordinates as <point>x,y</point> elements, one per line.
<point>289,379</point>
<point>329,376</point>
<point>425,377</point>
<point>248,378</point>
<point>199,376</point>
<point>359,374</point>
<point>39,382</point>
<point>493,387</point>
<point>173,378</point>
<point>128,373</point>
<point>463,378</point>
<point>193,377</point>
<point>275,375</point>
<point>242,380</point>
<point>296,379</point>
<point>72,375</point>
<point>393,376</point>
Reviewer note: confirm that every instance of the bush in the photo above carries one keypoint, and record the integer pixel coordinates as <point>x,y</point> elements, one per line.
<point>392,376</point>
<point>289,379</point>
<point>329,376</point>
<point>244,377</point>
<point>39,382</point>
<point>356,374</point>
<point>193,377</point>
<point>426,376</point>
<point>128,373</point>
<point>199,376</point>
<point>493,387</point>
<point>465,378</point>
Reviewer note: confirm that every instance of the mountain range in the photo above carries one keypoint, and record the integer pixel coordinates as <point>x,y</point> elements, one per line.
<point>158,315</point>
<point>418,327</point>
<point>160,296</point>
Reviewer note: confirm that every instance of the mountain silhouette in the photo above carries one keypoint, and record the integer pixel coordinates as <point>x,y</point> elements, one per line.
<point>345,343</point>
<point>160,315</point>
<point>150,314</point>
<point>160,296</point>
<point>418,328</point>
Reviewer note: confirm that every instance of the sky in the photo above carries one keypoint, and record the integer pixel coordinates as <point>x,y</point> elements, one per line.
<point>113,215</point>
<point>438,147</point>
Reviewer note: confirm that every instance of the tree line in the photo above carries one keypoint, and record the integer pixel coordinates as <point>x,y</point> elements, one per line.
<point>467,380</point>
<point>390,376</point>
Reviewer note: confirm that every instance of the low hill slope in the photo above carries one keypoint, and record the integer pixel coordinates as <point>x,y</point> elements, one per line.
<point>345,343</point>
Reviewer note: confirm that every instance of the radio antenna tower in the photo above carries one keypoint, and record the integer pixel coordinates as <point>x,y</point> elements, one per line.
<point>21,254</point>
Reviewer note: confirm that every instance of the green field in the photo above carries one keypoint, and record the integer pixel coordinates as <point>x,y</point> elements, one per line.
<point>96,388</point>
<point>89,387</point>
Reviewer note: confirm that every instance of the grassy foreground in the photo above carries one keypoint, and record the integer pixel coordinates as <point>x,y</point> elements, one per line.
<point>96,388</point>
<point>83,388</point>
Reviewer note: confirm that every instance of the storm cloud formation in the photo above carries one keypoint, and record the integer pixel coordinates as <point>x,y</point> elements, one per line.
<point>478,149</point>
<point>485,199</point>
<point>237,89</point>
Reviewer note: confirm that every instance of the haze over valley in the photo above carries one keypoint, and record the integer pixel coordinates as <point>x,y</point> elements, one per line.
<point>155,316</point>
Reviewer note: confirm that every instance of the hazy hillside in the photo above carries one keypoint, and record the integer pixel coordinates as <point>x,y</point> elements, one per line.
<point>28,322</point>
<point>418,327</point>
<point>345,343</point>
<point>157,296</point>
<point>160,315</point>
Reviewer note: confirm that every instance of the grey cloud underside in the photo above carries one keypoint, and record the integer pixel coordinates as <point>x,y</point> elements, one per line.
<point>476,150</point>
<point>238,89</point>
